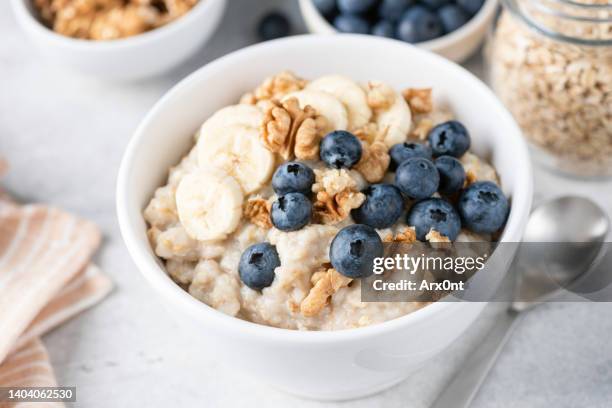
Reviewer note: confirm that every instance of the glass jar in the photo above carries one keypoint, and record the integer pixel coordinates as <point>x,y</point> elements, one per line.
<point>550,62</point>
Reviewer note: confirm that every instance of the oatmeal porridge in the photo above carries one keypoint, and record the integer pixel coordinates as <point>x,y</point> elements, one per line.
<point>276,212</point>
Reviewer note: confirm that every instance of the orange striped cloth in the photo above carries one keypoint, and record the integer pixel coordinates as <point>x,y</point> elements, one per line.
<point>45,278</point>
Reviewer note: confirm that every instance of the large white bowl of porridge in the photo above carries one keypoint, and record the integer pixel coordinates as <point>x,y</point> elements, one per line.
<point>306,330</point>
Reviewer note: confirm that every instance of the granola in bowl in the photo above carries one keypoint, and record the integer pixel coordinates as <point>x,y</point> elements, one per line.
<point>109,19</point>
<point>255,220</point>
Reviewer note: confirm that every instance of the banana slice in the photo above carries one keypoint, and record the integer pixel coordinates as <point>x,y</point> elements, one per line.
<point>244,115</point>
<point>349,93</point>
<point>326,105</point>
<point>237,150</point>
<point>209,204</point>
<point>396,120</point>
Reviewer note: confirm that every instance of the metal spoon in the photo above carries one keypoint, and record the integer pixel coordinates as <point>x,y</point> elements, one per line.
<point>571,231</point>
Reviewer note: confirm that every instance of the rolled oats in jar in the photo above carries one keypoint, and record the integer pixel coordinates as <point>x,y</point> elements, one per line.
<point>550,62</point>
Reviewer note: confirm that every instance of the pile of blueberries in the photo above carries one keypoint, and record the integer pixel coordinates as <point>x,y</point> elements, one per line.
<point>412,21</point>
<point>421,171</point>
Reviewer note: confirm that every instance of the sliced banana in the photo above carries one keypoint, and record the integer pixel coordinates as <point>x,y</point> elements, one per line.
<point>243,115</point>
<point>396,121</point>
<point>326,105</point>
<point>209,204</point>
<point>238,151</point>
<point>349,93</point>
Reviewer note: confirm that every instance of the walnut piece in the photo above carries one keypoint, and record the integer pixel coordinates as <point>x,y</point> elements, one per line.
<point>422,129</point>
<point>257,211</point>
<point>123,22</point>
<point>308,138</point>
<point>370,133</point>
<point>374,162</point>
<point>435,237</point>
<point>275,87</point>
<point>331,209</point>
<point>470,178</point>
<point>405,235</point>
<point>419,100</point>
<point>109,19</point>
<point>291,131</point>
<point>327,283</point>
<point>334,181</point>
<point>380,95</point>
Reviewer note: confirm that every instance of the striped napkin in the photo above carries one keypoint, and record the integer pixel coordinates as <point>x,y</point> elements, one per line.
<point>45,279</point>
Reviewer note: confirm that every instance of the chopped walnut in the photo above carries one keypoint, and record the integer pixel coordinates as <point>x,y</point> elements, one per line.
<point>257,211</point>
<point>405,235</point>
<point>419,100</point>
<point>334,181</point>
<point>470,178</point>
<point>435,237</point>
<point>374,162</point>
<point>380,95</point>
<point>477,169</point>
<point>422,128</point>
<point>369,133</point>
<point>291,131</point>
<point>109,19</point>
<point>328,283</point>
<point>123,22</point>
<point>331,209</point>
<point>308,137</point>
<point>275,87</point>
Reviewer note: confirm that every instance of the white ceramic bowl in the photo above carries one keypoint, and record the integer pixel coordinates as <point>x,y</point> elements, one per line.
<point>322,365</point>
<point>456,46</point>
<point>131,58</point>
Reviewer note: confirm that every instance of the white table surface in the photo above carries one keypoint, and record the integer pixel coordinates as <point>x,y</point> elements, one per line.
<point>64,135</point>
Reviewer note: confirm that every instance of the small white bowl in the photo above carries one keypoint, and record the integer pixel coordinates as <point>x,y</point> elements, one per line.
<point>456,46</point>
<point>321,365</point>
<point>137,57</point>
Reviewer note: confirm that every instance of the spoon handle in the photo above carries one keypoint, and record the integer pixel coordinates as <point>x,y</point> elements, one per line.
<point>462,389</point>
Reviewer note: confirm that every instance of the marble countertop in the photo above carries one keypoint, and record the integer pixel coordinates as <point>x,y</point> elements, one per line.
<point>64,135</point>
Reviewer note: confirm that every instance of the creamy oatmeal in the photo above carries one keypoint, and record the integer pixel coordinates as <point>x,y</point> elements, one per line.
<point>272,181</point>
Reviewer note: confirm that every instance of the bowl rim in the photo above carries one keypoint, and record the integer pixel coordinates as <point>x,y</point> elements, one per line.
<point>28,19</point>
<point>474,23</point>
<point>151,270</point>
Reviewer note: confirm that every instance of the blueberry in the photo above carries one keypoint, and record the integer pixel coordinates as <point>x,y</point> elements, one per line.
<point>346,23</point>
<point>257,265</point>
<point>483,207</point>
<point>452,17</point>
<point>403,151</point>
<point>392,10</point>
<point>384,28</point>
<point>353,250</point>
<point>449,138</point>
<point>437,214</point>
<point>293,177</point>
<point>382,207</point>
<point>341,149</point>
<point>325,7</point>
<point>471,6</point>
<point>419,24</point>
<point>418,178</point>
<point>434,4</point>
<point>273,25</point>
<point>355,6</point>
<point>291,212</point>
<point>452,174</point>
